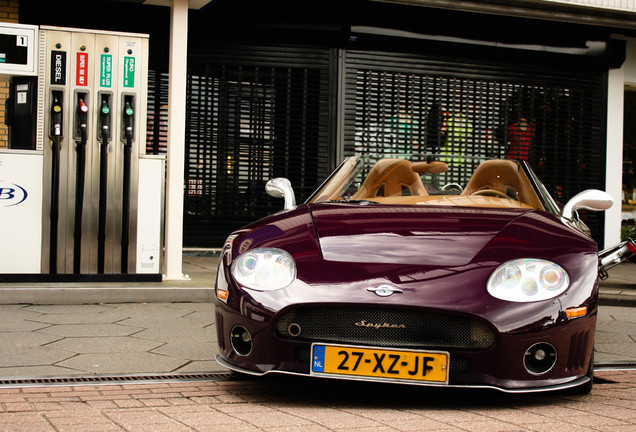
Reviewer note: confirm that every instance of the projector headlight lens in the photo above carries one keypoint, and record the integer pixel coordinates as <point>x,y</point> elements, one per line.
<point>264,269</point>
<point>528,280</point>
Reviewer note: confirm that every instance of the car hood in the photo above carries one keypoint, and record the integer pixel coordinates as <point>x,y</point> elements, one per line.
<point>427,252</point>
<point>411,235</point>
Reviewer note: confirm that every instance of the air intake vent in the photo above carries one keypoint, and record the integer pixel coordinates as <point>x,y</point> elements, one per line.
<point>384,327</point>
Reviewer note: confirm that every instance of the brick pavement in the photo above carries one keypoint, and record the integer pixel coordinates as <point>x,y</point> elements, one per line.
<point>284,404</point>
<point>293,404</point>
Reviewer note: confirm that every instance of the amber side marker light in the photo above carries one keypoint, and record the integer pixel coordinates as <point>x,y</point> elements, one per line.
<point>221,294</point>
<point>576,312</point>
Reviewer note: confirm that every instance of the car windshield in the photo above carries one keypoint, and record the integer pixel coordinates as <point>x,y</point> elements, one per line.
<point>429,180</point>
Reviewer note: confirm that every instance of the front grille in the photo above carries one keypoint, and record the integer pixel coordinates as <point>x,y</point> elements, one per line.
<point>384,327</point>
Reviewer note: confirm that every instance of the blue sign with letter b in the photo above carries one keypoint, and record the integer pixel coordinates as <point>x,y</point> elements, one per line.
<point>11,194</point>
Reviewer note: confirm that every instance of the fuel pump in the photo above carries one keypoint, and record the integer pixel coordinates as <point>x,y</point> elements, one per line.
<point>22,165</point>
<point>107,223</point>
<point>104,128</point>
<point>56,135</point>
<point>81,121</point>
<point>128,117</point>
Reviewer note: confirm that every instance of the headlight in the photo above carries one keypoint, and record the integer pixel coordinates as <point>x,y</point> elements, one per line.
<point>264,269</point>
<point>528,280</point>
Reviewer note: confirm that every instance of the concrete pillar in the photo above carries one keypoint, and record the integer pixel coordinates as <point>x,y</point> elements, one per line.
<point>173,266</point>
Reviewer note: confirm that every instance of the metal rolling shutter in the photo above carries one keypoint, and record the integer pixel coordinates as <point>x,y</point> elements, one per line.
<point>254,113</point>
<point>157,122</point>
<point>399,102</point>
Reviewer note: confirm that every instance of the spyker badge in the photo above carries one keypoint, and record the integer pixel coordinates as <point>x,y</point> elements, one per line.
<point>385,290</point>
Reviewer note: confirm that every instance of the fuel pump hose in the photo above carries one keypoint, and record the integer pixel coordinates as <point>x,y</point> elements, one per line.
<point>56,142</point>
<point>128,132</point>
<point>103,181</point>
<point>79,185</point>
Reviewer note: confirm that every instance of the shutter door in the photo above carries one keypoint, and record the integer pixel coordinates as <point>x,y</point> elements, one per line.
<point>157,122</point>
<point>398,103</point>
<point>253,113</point>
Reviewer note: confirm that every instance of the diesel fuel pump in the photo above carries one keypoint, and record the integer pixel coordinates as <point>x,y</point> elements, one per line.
<point>128,118</point>
<point>56,135</point>
<point>104,138</point>
<point>105,193</point>
<point>81,122</point>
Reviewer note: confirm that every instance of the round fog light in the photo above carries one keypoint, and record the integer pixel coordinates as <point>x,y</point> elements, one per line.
<point>540,358</point>
<point>241,340</point>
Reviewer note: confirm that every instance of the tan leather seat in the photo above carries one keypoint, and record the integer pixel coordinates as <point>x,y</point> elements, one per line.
<point>391,177</point>
<point>505,176</point>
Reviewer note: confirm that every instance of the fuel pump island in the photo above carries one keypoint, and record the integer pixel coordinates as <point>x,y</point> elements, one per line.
<point>79,198</point>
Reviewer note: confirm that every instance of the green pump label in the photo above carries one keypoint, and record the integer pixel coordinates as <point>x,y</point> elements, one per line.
<point>106,71</point>
<point>129,71</point>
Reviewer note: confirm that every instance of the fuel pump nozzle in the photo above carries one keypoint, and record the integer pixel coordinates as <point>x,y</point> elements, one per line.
<point>128,122</point>
<point>56,119</point>
<point>82,115</point>
<point>104,117</point>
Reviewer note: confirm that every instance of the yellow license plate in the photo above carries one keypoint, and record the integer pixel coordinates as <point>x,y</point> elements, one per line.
<point>382,364</point>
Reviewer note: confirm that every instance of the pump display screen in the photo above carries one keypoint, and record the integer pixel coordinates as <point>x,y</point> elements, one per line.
<point>13,49</point>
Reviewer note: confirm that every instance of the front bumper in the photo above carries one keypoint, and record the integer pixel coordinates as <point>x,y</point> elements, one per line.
<point>498,367</point>
<point>556,385</point>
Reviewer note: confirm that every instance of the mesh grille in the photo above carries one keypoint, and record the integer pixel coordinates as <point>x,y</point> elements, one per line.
<point>384,327</point>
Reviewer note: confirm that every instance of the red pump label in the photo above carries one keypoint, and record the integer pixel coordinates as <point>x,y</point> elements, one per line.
<point>81,71</point>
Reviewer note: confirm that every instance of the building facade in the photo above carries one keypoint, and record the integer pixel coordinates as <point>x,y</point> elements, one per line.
<point>288,88</point>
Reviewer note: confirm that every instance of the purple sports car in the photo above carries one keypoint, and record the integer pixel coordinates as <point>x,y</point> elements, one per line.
<point>406,271</point>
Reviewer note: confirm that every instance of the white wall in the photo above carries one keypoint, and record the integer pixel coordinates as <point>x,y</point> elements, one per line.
<point>617,80</point>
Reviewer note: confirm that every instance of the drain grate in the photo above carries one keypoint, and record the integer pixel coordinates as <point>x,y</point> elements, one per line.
<point>114,379</point>
<point>614,366</point>
<point>216,376</point>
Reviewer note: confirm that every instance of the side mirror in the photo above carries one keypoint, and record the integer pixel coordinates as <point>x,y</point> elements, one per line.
<point>281,188</point>
<point>590,199</point>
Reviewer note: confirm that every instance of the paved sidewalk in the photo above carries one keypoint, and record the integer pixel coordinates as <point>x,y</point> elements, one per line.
<point>199,274</point>
<point>620,287</point>
<point>314,405</point>
<point>180,337</point>
<point>110,339</point>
